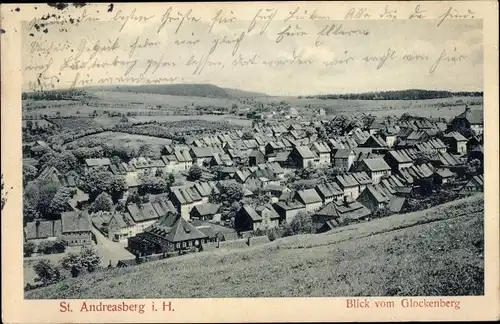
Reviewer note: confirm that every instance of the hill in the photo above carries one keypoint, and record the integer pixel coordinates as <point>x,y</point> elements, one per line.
<point>410,94</point>
<point>435,252</point>
<point>185,90</point>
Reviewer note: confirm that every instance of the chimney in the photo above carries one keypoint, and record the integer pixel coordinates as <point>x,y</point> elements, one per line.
<point>346,200</point>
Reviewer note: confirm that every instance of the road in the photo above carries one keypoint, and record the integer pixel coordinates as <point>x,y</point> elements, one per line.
<point>109,250</point>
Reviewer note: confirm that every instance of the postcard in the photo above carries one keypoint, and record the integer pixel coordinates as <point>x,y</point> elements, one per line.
<point>249,162</point>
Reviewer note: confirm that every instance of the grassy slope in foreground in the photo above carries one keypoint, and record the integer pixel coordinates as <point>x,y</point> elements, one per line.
<point>433,252</point>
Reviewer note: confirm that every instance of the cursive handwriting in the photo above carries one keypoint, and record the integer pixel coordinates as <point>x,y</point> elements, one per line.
<point>338,30</point>
<point>132,16</point>
<point>145,44</point>
<point>417,13</point>
<point>221,18</point>
<point>290,31</point>
<point>445,57</point>
<point>228,41</point>
<point>265,15</point>
<point>179,17</point>
<point>388,13</point>
<point>382,59</point>
<point>452,13</point>
<point>357,13</point>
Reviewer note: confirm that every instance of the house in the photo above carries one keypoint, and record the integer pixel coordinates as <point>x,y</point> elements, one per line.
<point>143,215</point>
<point>338,213</point>
<point>374,198</point>
<point>180,160</point>
<point>206,211</point>
<point>374,127</point>
<point>457,143</point>
<point>205,189</point>
<point>443,176</point>
<point>256,157</point>
<point>376,168</point>
<point>343,159</point>
<point>398,160</point>
<point>389,135</point>
<point>76,228</point>
<point>301,157</point>
<point>49,174</point>
<point>184,199</point>
<point>93,164</point>
<point>117,226</point>
<point>362,179</point>
<point>260,218</point>
<point>309,198</point>
<point>475,184</point>
<point>375,142</point>
<point>323,152</point>
<point>287,210</point>
<point>170,233</point>
<point>42,229</point>
<point>329,192</point>
<point>469,120</point>
<point>397,204</point>
<point>201,155</point>
<point>349,185</point>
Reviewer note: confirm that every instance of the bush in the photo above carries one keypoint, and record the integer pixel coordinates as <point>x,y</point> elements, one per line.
<point>301,224</point>
<point>29,248</point>
<point>46,247</point>
<point>59,245</point>
<point>47,272</point>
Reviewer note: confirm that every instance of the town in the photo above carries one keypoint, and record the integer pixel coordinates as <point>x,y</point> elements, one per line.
<point>287,174</point>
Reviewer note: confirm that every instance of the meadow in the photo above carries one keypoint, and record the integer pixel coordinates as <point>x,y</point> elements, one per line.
<point>435,252</point>
<point>166,105</point>
<point>129,139</point>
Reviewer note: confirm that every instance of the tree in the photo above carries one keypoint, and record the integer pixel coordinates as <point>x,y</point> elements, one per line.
<point>47,192</point>
<point>228,194</point>
<point>424,157</point>
<point>195,173</point>
<point>90,258</point>
<point>29,248</point>
<point>29,173</point>
<point>300,224</point>
<point>98,181</point>
<point>47,272</point>
<point>322,135</point>
<point>63,162</point>
<point>46,246</point>
<point>73,263</point>
<point>473,167</point>
<point>115,159</point>
<point>59,245</point>
<point>103,202</point>
<point>60,201</point>
<point>147,150</point>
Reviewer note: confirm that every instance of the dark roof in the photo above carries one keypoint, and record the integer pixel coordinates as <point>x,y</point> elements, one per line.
<point>207,209</point>
<point>342,153</point>
<point>330,189</point>
<point>400,156</point>
<point>142,213</point>
<point>250,211</point>
<point>183,231</point>
<point>75,221</point>
<point>346,180</point>
<point>474,117</point>
<point>97,162</point>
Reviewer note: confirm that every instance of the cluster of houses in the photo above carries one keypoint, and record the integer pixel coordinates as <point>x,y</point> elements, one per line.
<point>378,167</point>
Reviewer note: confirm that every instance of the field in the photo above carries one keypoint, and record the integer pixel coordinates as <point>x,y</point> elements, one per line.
<point>131,139</point>
<point>435,252</point>
<point>220,118</point>
<point>124,102</point>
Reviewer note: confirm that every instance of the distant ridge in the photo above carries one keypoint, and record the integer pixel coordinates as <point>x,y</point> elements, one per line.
<point>187,90</point>
<point>410,94</point>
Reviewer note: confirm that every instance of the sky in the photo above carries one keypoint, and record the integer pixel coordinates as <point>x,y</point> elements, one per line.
<point>404,37</point>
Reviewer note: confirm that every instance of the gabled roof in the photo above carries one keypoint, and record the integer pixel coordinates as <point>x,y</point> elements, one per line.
<point>305,152</point>
<point>142,213</point>
<point>321,147</point>
<point>50,173</point>
<point>346,180</point>
<point>250,211</point>
<point>362,178</point>
<point>162,207</point>
<point>474,117</point>
<point>74,221</point>
<point>309,196</point>
<point>457,136</point>
<point>97,162</point>
<point>376,164</point>
<point>377,193</point>
<point>396,204</point>
<point>201,152</point>
<point>328,190</point>
<point>343,153</point>
<point>289,205</point>
<point>207,209</point>
<point>183,231</point>
<point>400,156</point>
